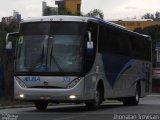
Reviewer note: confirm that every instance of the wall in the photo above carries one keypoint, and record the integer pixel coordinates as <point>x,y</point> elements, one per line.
<point>131,25</point>
<point>72,5</point>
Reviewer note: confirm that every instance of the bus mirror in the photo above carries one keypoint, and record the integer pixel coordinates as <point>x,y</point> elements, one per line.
<point>8,44</point>
<point>9,47</point>
<point>89,44</point>
<point>9,40</point>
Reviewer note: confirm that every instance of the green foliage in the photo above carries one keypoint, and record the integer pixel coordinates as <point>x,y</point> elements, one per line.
<point>148,16</point>
<point>139,30</point>
<point>49,11</point>
<point>153,31</point>
<point>79,14</point>
<point>96,13</point>
<point>64,11</point>
<point>7,60</point>
<point>155,17</point>
<point>3,26</point>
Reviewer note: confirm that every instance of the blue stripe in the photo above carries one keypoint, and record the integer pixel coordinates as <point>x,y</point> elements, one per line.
<point>126,67</point>
<point>115,66</point>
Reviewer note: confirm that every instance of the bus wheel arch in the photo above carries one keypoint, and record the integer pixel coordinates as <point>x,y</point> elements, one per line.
<point>100,85</point>
<point>135,99</point>
<point>99,97</point>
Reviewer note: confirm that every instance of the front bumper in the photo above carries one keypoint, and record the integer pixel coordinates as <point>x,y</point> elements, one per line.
<point>32,94</point>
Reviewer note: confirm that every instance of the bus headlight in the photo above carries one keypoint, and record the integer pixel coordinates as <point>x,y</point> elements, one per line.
<point>21,95</point>
<point>72,97</point>
<point>21,83</point>
<point>73,83</point>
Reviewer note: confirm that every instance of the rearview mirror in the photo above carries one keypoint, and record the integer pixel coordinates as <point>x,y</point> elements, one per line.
<point>9,41</point>
<point>9,47</point>
<point>90,46</point>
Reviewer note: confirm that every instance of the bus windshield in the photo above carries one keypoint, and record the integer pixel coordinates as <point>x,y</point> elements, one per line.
<point>50,47</point>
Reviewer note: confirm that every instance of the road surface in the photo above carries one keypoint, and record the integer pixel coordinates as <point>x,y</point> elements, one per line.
<point>149,108</point>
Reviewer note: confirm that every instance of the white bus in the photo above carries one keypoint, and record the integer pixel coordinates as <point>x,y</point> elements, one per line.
<point>79,59</point>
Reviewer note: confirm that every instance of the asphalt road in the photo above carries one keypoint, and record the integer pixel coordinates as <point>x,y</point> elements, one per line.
<point>148,109</point>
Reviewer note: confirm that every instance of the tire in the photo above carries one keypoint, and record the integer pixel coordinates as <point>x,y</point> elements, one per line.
<point>133,100</point>
<point>40,105</point>
<point>94,104</point>
<point>78,103</point>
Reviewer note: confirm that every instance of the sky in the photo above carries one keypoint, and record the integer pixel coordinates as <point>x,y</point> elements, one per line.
<point>112,9</point>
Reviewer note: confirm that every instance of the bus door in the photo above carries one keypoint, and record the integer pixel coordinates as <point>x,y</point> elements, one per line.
<point>90,55</point>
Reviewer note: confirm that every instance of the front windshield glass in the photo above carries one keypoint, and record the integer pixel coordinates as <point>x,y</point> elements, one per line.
<point>50,47</point>
<point>31,54</point>
<point>65,53</point>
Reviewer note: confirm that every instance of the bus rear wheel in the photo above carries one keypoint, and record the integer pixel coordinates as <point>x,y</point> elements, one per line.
<point>41,105</point>
<point>94,104</point>
<point>133,100</point>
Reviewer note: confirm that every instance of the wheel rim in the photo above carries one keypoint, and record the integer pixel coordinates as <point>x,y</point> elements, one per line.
<point>137,96</point>
<point>97,97</point>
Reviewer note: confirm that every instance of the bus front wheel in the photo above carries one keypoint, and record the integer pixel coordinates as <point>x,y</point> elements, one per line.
<point>41,105</point>
<point>94,104</point>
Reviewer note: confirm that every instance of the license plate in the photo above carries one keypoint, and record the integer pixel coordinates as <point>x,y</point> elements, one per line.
<point>45,97</point>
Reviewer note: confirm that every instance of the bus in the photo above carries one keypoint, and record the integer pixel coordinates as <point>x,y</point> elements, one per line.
<point>75,59</point>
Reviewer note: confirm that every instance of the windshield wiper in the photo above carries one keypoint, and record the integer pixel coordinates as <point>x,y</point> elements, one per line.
<point>42,54</point>
<point>19,52</point>
<point>55,61</point>
<point>42,66</point>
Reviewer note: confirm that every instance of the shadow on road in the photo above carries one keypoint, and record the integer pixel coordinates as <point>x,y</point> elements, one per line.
<point>104,109</point>
<point>81,108</point>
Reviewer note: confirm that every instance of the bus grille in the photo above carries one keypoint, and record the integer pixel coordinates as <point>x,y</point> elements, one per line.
<point>47,87</point>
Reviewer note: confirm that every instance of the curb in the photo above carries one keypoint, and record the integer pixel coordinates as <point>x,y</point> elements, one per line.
<point>154,95</point>
<point>16,106</point>
<point>21,106</point>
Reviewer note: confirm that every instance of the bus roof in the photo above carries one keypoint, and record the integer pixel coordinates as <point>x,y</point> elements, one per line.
<point>58,18</point>
<point>82,19</point>
<point>122,28</point>
<point>69,18</point>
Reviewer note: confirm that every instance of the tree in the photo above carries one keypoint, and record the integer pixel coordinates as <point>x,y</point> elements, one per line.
<point>7,60</point>
<point>139,30</point>
<point>64,11</point>
<point>148,16</point>
<point>157,15</point>
<point>3,26</point>
<point>49,11</point>
<point>12,27</point>
<point>96,13</point>
<point>79,14</point>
